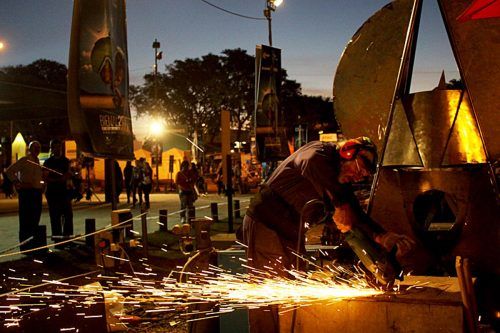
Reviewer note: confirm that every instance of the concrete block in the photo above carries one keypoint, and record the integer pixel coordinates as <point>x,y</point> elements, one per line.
<point>433,307</point>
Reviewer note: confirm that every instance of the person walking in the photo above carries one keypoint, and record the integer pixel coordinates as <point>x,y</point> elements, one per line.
<point>58,191</point>
<point>26,175</point>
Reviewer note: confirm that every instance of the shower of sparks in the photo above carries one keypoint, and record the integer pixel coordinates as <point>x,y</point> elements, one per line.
<point>215,289</point>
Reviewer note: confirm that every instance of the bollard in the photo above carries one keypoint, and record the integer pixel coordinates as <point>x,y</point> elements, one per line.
<point>237,213</point>
<point>215,212</point>
<point>191,214</point>
<point>144,222</point>
<point>119,216</point>
<point>163,219</point>
<point>89,228</point>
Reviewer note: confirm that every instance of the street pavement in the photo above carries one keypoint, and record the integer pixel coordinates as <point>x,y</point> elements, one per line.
<point>101,212</point>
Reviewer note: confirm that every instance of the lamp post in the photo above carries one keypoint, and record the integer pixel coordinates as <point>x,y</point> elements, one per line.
<point>158,56</point>
<point>271,7</point>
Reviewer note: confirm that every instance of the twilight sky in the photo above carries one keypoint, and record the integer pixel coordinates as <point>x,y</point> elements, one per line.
<point>311,33</point>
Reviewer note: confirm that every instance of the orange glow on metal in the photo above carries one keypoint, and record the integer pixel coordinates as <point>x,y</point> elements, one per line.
<point>470,146</point>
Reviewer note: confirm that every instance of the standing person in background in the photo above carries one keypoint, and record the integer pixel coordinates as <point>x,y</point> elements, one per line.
<point>194,175</point>
<point>186,191</point>
<point>127,174</point>
<point>58,192</point>
<point>26,175</point>
<point>147,182</point>
<point>137,181</point>
<point>237,177</point>
<point>219,180</point>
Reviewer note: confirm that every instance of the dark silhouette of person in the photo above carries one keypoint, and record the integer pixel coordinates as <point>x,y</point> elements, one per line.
<point>58,193</point>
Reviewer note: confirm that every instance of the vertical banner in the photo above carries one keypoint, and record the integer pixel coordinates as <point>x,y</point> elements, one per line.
<point>98,108</point>
<point>271,141</point>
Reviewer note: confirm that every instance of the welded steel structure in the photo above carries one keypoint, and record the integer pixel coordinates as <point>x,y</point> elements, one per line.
<point>435,180</point>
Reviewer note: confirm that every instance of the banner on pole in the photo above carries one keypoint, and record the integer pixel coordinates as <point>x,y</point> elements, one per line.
<point>98,108</point>
<point>270,133</point>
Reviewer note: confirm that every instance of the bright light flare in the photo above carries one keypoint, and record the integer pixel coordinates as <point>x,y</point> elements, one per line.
<point>2,45</point>
<point>156,128</point>
<point>277,2</point>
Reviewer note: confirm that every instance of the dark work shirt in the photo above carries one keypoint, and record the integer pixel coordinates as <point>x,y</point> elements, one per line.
<point>308,174</point>
<point>56,184</point>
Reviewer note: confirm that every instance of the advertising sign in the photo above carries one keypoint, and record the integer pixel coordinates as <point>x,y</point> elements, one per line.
<point>270,132</point>
<point>98,108</point>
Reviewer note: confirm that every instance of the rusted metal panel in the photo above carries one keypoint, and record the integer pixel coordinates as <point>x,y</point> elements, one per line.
<point>476,45</point>
<point>472,200</point>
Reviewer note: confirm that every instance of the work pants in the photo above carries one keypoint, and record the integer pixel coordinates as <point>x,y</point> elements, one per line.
<point>136,189</point>
<point>61,214</point>
<point>30,210</point>
<point>187,204</point>
<point>265,248</point>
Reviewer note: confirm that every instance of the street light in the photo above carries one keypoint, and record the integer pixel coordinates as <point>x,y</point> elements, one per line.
<point>156,130</point>
<point>158,56</point>
<point>271,7</point>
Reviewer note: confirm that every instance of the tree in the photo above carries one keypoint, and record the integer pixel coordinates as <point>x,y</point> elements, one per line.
<point>455,84</point>
<point>26,115</point>
<point>40,73</point>
<point>193,91</point>
<point>240,69</point>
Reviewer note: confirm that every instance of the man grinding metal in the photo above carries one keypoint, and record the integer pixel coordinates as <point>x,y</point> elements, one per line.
<point>317,172</point>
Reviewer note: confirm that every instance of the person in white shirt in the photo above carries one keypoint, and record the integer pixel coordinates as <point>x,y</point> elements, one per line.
<point>26,175</point>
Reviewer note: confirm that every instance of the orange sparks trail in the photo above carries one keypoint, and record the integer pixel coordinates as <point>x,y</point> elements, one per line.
<point>222,290</point>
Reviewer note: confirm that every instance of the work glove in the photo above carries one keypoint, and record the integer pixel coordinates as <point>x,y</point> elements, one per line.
<point>344,217</point>
<point>390,239</point>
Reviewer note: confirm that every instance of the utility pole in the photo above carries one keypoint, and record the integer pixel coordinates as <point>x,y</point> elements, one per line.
<point>158,56</point>
<point>270,7</point>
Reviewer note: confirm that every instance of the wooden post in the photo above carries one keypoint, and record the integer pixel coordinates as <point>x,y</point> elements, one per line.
<point>191,213</point>
<point>163,219</point>
<point>89,228</point>
<point>229,193</point>
<point>144,222</point>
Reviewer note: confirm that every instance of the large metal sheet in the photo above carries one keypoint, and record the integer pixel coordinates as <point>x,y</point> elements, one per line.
<point>443,127</point>
<point>476,44</point>
<point>368,70</point>
<point>401,149</point>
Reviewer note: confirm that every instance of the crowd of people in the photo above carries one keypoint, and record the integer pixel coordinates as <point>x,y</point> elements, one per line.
<point>64,181</point>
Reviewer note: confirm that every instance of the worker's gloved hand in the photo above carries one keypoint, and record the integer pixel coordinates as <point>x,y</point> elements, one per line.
<point>344,217</point>
<point>403,243</point>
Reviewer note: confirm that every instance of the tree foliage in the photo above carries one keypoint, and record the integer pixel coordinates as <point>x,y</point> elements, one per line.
<point>192,92</point>
<point>40,73</point>
<point>44,74</point>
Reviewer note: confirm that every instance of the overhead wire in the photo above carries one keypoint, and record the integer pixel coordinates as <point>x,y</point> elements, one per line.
<point>233,13</point>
